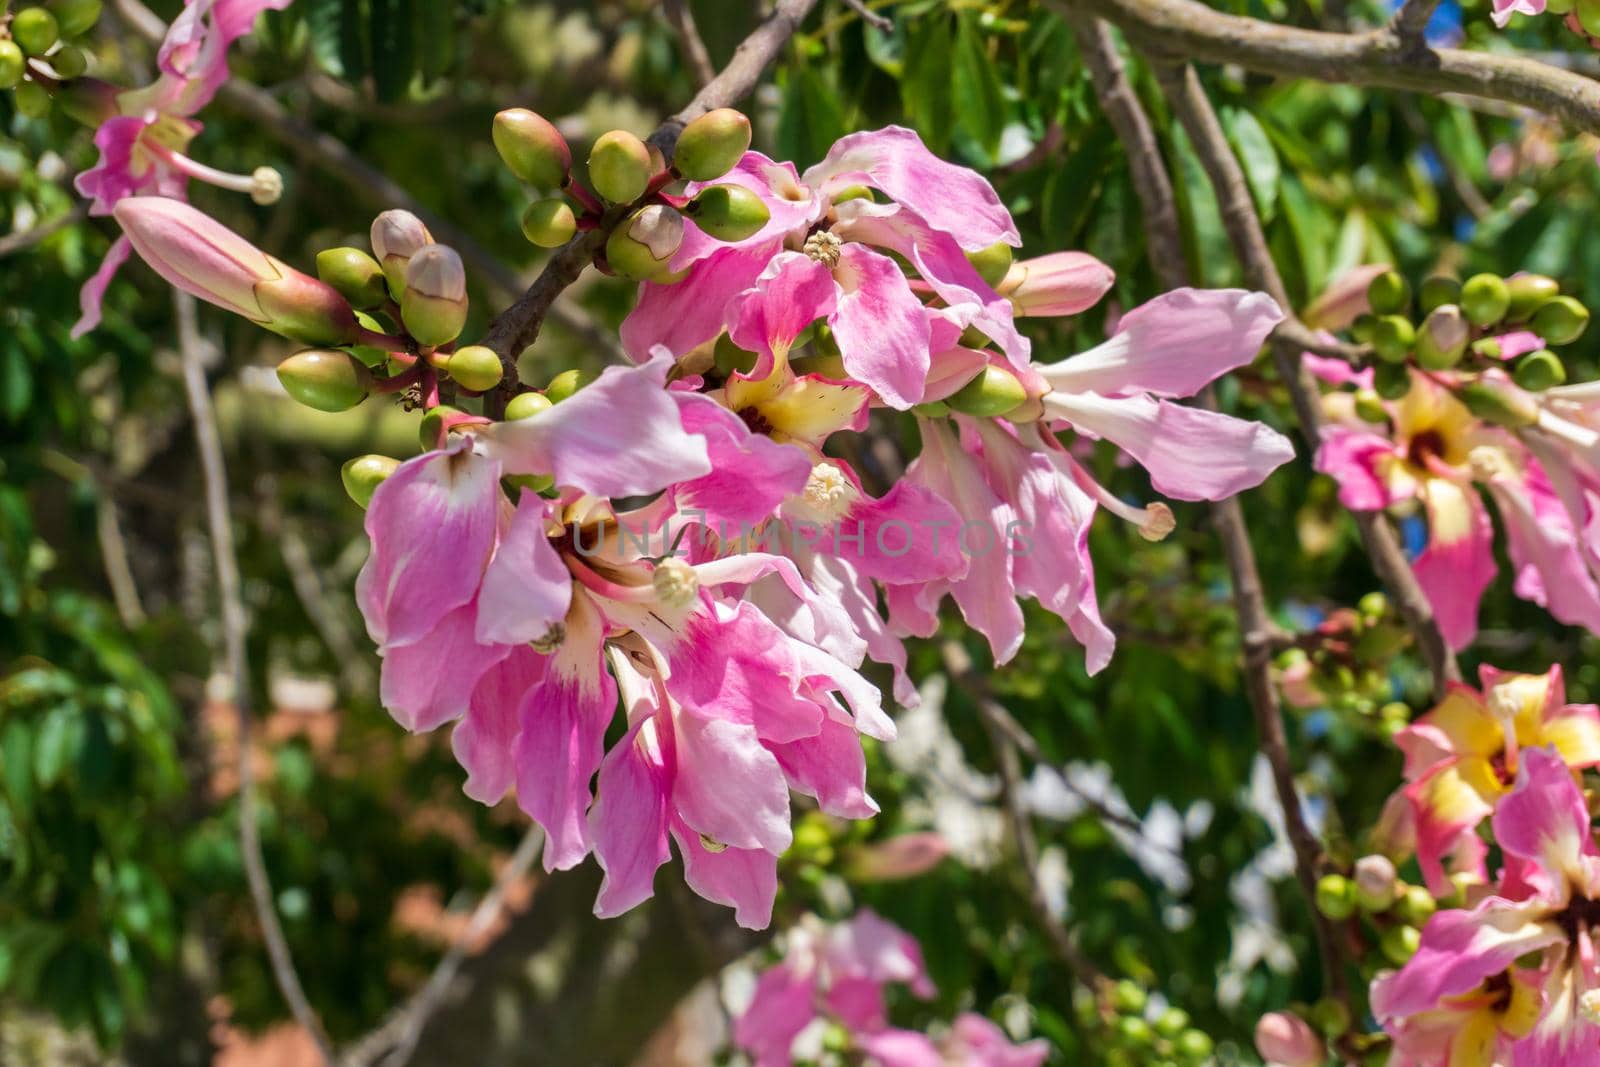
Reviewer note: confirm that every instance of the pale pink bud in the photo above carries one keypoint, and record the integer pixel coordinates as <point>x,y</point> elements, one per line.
<point>1376,882</point>
<point>397,236</point>
<point>1286,1040</point>
<point>434,305</point>
<point>1061,283</point>
<point>902,856</point>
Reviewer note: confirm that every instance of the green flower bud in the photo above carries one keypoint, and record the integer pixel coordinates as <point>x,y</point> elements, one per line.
<point>1369,406</point>
<point>1133,1030</point>
<point>1588,13</point>
<point>852,192</point>
<point>69,62</point>
<point>1485,298</point>
<point>397,236</point>
<point>1128,997</point>
<point>1363,327</point>
<point>304,309</point>
<point>1561,321</point>
<point>1336,897</point>
<point>1389,293</point>
<point>1487,347</point>
<point>325,379</point>
<point>1172,1022</point>
<point>363,475</point>
<point>1195,1045</point>
<point>432,425</point>
<point>75,17</point>
<point>729,358</point>
<point>992,263</point>
<point>619,166</point>
<point>1391,380</point>
<point>1559,7</point>
<point>32,100</point>
<point>35,30</point>
<point>1540,370</point>
<point>993,391</point>
<point>728,212</point>
<point>549,223</point>
<point>1439,290</point>
<point>434,306</point>
<point>1529,292</point>
<point>1376,882</point>
<point>1442,341</point>
<point>1374,605</point>
<point>356,276</point>
<point>712,145</point>
<point>1392,338</point>
<point>12,64</point>
<point>1501,403</point>
<point>933,409</point>
<point>1415,906</point>
<point>1400,943</point>
<point>475,367</point>
<point>532,148</point>
<point>642,247</point>
<point>1331,1016</point>
<point>526,405</point>
<point>566,384</point>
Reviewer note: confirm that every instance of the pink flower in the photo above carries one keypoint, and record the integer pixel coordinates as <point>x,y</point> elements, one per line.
<point>142,143</point>
<point>1285,1040</point>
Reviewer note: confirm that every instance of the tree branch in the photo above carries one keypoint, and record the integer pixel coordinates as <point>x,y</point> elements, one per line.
<point>1380,58</point>
<point>12,243</point>
<point>681,18</point>
<point>234,624</point>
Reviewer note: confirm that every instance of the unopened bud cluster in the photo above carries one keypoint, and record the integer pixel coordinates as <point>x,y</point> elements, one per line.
<point>1344,664</point>
<point>38,50</point>
<point>1392,911</point>
<point>1136,1032</point>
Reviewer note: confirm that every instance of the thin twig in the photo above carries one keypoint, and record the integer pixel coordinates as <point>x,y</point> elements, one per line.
<point>12,243</point>
<point>681,18</point>
<point>114,556</point>
<point>869,16</point>
<point>234,624</point>
<point>395,1040</point>
<point>1412,19</point>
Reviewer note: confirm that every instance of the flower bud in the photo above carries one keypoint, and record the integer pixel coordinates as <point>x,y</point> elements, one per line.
<point>1529,292</point>
<point>566,384</point>
<point>526,406</point>
<point>1128,997</point>
<point>31,100</point>
<point>362,476</point>
<point>852,192</point>
<point>549,223</point>
<point>1060,283</point>
<point>1389,293</point>
<point>1391,380</point>
<point>993,391</point>
<point>1400,943</point>
<point>1363,326</point>
<point>35,30</point>
<point>1439,290</point>
<point>1561,321</point>
<point>1344,299</point>
<point>712,145</point>
<point>1499,402</point>
<point>1485,298</point>
<point>1415,906</point>
<point>1287,1040</point>
<point>896,858</point>
<point>432,427</point>
<point>356,276</point>
<point>1336,897</point>
<point>1442,341</point>
<point>1195,1046</point>
<point>992,263</point>
<point>328,380</point>
<point>532,147</point>
<point>1392,338</point>
<point>75,17</point>
<point>642,247</point>
<point>1377,884</point>
<point>728,212</point>
<point>69,62</point>
<point>204,258</point>
<point>397,236</point>
<point>1332,1016</point>
<point>1369,406</point>
<point>434,304</point>
<point>1172,1022</point>
<point>1540,370</point>
<point>12,64</point>
<point>475,367</point>
<point>619,166</point>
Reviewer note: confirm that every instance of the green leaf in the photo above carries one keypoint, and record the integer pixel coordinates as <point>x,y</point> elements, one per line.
<point>355,45</point>
<point>926,89</point>
<point>16,754</point>
<point>810,119</point>
<point>53,748</point>
<point>436,39</point>
<point>394,52</point>
<point>1260,160</point>
<point>980,105</point>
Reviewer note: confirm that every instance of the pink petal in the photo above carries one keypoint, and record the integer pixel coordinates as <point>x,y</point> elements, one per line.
<point>908,535</point>
<point>1550,567</point>
<point>743,879</point>
<point>902,1048</point>
<point>728,787</point>
<point>750,473</point>
<point>880,327</point>
<point>691,311</point>
<point>791,293</point>
<point>1459,950</point>
<point>830,767</point>
<point>485,739</point>
<point>779,1009</point>
<point>94,290</point>
<point>1458,564</point>
<point>790,207</point>
<point>526,589</point>
<point>978,1042</point>
<point>1544,819</point>
<point>426,683</point>
<point>628,821</point>
<point>1350,457</point>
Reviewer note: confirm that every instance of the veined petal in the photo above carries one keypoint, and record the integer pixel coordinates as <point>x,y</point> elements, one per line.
<point>880,326</point>
<point>1458,564</point>
<point>628,821</point>
<point>743,879</point>
<point>1355,459</point>
<point>527,589</point>
<point>680,315</point>
<point>485,739</point>
<point>1545,820</point>
<point>830,767</point>
<point>791,293</point>
<point>1459,950</point>
<point>426,683</point>
<point>751,474</point>
<point>93,292</point>
<point>728,786</point>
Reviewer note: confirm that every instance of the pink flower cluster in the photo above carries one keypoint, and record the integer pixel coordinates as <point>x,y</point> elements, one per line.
<point>835,976</point>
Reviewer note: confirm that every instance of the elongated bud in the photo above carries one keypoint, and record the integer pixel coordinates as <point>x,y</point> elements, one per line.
<point>566,384</point>
<point>1442,341</point>
<point>642,247</point>
<point>434,306</point>
<point>1499,402</point>
<point>1439,290</point>
<point>1389,293</point>
<point>728,212</point>
<point>75,17</point>
<point>549,223</point>
<point>1377,883</point>
<point>328,380</point>
<point>1529,292</point>
<point>1286,1040</point>
<point>1344,299</point>
<point>475,367</point>
<point>993,263</point>
<point>355,274</point>
<point>1485,298</point>
<point>526,405</point>
<point>362,476</point>
<point>896,858</point>
<point>397,236</point>
<point>1541,370</point>
<point>619,166</point>
<point>1561,321</point>
<point>712,145</point>
<point>204,258</point>
<point>1061,283</point>
<point>35,30</point>
<point>994,391</point>
<point>12,65</point>
<point>532,147</point>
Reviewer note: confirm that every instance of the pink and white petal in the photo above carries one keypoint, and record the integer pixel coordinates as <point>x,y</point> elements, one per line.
<point>908,535</point>
<point>93,292</point>
<point>1545,820</point>
<point>527,590</point>
<point>629,818</point>
<point>1460,949</point>
<point>792,292</point>
<point>1550,567</point>
<point>876,948</point>
<point>484,742</point>
<point>426,683</point>
<point>978,1042</point>
<point>750,473</point>
<point>830,767</point>
<point>954,199</point>
<point>901,1048</point>
<point>1565,1036</point>
<point>432,525</point>
<point>1191,453</point>
<point>1458,564</point>
<point>745,880</point>
<point>1172,346</point>
<point>1504,9</point>
<point>693,310</point>
<point>880,326</point>
<point>729,788</point>
<point>783,1005</point>
<point>1351,457</point>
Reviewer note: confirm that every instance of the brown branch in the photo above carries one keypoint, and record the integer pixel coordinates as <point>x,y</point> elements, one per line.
<point>681,18</point>
<point>1239,218</point>
<point>12,243</point>
<point>208,443</point>
<point>869,16</point>
<point>1412,19</point>
<point>1379,58</point>
<point>114,557</point>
